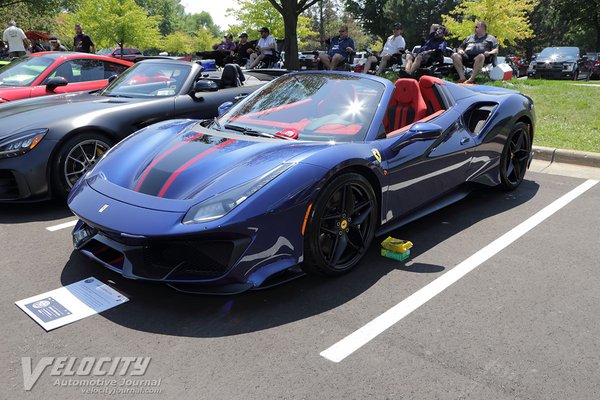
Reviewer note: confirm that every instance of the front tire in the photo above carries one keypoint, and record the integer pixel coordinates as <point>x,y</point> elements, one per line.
<point>515,157</point>
<point>341,226</point>
<point>76,156</point>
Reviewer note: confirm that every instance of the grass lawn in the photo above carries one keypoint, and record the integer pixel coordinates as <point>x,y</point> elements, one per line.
<point>567,112</point>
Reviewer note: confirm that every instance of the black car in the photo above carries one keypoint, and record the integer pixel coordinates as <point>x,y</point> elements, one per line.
<point>47,143</point>
<point>560,63</point>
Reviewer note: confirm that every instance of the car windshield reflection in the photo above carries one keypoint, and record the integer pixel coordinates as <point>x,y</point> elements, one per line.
<point>559,52</point>
<point>149,80</point>
<point>319,106</point>
<point>23,71</point>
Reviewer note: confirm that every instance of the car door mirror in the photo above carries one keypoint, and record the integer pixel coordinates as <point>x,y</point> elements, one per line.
<point>112,78</point>
<point>223,108</point>
<point>55,82</point>
<point>205,85</point>
<point>419,132</point>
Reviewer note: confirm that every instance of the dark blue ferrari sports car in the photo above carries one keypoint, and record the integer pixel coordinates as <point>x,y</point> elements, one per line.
<point>300,175</point>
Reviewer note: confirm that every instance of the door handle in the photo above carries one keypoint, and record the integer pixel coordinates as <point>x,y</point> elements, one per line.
<point>465,140</point>
<point>240,96</point>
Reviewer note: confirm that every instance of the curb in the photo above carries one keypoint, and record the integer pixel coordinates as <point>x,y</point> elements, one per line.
<point>585,158</point>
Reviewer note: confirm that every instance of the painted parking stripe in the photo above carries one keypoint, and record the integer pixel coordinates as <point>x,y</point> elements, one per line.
<point>365,334</point>
<point>61,226</point>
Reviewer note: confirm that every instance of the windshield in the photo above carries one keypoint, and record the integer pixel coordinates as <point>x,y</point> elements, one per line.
<point>23,71</point>
<point>149,80</point>
<point>560,52</point>
<point>316,106</point>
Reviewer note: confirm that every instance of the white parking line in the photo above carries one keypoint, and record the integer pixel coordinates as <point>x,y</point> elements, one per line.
<point>61,226</point>
<point>362,336</point>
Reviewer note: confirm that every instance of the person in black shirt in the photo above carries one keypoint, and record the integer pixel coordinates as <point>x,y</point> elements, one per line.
<point>243,50</point>
<point>82,42</point>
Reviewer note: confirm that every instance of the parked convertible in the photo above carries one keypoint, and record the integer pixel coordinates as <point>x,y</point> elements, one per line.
<point>46,144</point>
<point>305,171</point>
<point>47,73</point>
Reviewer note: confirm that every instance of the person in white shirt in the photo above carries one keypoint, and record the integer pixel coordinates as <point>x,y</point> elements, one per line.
<point>392,50</point>
<point>16,39</point>
<point>264,49</point>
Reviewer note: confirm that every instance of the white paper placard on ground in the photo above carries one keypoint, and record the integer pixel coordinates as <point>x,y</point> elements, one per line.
<point>71,303</point>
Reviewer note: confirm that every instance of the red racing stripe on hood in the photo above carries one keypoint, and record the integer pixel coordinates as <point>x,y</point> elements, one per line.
<point>163,155</point>
<point>185,166</point>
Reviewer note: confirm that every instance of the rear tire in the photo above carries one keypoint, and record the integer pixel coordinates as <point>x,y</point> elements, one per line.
<point>76,156</point>
<point>341,226</point>
<point>515,157</point>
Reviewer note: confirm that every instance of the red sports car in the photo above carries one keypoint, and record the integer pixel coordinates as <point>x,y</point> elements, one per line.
<point>54,72</point>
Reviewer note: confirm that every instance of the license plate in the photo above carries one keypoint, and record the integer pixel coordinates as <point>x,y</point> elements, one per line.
<point>82,236</point>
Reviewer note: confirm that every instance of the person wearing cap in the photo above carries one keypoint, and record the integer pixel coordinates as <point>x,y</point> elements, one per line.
<point>55,45</point>
<point>243,50</point>
<point>430,52</point>
<point>340,47</point>
<point>392,51</point>
<point>476,50</point>
<point>264,49</point>
<point>16,39</point>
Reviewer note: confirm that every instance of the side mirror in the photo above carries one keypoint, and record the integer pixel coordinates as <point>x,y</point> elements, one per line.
<point>223,108</point>
<point>419,132</point>
<point>55,82</point>
<point>112,78</point>
<point>205,85</point>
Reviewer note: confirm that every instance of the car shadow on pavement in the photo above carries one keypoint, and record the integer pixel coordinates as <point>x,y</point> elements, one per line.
<point>156,308</point>
<point>51,210</point>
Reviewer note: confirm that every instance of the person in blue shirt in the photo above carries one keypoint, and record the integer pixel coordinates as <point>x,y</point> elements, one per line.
<point>340,48</point>
<point>431,51</point>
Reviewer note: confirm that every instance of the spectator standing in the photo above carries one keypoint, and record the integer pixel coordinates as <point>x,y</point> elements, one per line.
<point>264,49</point>
<point>431,51</point>
<point>392,50</point>
<point>55,45</point>
<point>82,42</point>
<point>476,50</point>
<point>16,39</point>
<point>340,48</point>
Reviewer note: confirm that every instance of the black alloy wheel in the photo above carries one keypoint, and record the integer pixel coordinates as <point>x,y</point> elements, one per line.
<point>341,226</point>
<point>515,156</point>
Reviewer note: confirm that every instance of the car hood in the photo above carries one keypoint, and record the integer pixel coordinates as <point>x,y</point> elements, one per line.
<point>556,58</point>
<point>44,111</point>
<point>182,162</point>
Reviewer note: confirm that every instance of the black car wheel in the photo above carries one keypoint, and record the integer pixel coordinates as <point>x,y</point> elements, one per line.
<point>515,156</point>
<point>341,226</point>
<point>78,155</point>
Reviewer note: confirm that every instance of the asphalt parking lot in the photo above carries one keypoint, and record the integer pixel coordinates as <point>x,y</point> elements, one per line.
<point>518,319</point>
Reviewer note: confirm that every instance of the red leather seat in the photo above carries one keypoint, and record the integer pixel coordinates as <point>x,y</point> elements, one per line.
<point>430,94</point>
<point>406,105</point>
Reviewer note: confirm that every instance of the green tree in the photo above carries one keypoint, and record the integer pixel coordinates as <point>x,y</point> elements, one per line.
<point>193,22</point>
<point>507,20</point>
<point>204,39</point>
<point>373,15</point>
<point>168,12</point>
<point>120,22</point>
<point>583,19</point>
<point>254,14</point>
<point>291,11</point>
<point>178,43</point>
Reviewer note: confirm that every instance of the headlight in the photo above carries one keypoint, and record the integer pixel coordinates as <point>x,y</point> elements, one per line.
<point>222,203</point>
<point>21,143</point>
<point>568,67</point>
